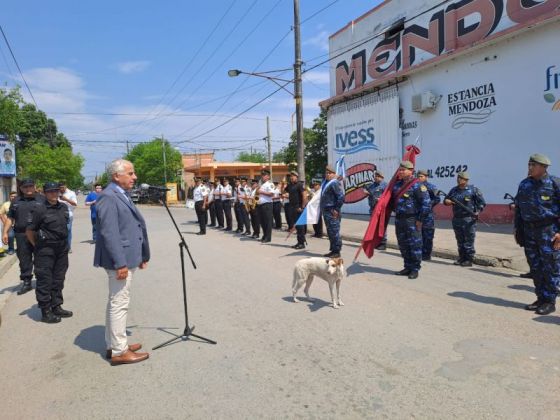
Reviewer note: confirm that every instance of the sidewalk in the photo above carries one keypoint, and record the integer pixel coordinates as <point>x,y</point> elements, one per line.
<point>494,245</point>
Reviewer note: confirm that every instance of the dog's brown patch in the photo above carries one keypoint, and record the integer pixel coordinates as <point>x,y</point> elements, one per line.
<point>338,261</point>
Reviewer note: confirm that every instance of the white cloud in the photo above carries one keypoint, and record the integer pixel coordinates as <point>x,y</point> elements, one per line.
<point>318,77</point>
<point>320,40</point>
<point>56,89</point>
<point>128,67</point>
<point>100,138</point>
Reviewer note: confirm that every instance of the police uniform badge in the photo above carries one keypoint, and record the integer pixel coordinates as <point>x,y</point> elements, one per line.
<point>423,188</point>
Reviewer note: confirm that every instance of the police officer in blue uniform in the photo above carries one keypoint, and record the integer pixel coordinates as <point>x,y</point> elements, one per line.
<point>537,228</point>
<point>374,192</point>
<point>428,224</point>
<point>412,204</point>
<point>18,217</point>
<point>47,231</point>
<point>332,199</point>
<point>464,221</point>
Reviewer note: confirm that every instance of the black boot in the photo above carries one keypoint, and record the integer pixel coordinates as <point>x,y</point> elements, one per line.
<point>466,263</point>
<point>63,313</point>
<point>49,317</point>
<point>403,272</point>
<point>534,306</point>
<point>546,308</point>
<point>25,287</point>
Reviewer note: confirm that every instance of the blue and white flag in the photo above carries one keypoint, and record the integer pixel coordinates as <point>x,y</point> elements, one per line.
<point>311,212</point>
<point>340,167</point>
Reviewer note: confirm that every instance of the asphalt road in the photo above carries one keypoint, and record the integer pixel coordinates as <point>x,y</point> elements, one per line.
<point>454,343</point>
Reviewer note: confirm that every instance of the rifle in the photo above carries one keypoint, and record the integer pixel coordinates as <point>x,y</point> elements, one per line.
<point>454,201</point>
<point>519,232</point>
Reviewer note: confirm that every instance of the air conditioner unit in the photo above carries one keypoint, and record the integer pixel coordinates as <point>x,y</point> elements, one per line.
<point>424,101</point>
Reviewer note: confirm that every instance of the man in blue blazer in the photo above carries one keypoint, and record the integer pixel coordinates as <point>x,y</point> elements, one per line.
<point>121,248</point>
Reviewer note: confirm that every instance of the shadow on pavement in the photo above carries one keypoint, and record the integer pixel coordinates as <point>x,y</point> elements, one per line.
<point>494,273</point>
<point>489,300</point>
<point>548,319</point>
<point>358,268</point>
<point>11,289</point>
<point>314,304</point>
<point>34,313</point>
<point>432,261</point>
<point>92,339</point>
<point>525,287</point>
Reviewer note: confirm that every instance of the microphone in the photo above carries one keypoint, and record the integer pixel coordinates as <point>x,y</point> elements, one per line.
<point>153,187</point>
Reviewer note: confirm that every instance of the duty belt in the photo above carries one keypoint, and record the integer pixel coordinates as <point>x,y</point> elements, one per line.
<point>541,223</point>
<point>406,216</point>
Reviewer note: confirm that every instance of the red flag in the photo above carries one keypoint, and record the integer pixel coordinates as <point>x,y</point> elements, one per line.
<point>382,212</point>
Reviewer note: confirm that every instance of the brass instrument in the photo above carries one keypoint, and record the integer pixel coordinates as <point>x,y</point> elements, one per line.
<point>251,202</point>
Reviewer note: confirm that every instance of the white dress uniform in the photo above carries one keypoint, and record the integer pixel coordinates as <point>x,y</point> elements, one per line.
<point>199,194</point>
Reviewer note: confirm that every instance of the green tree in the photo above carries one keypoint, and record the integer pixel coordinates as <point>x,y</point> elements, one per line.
<point>254,157</point>
<point>36,127</point>
<point>315,141</point>
<point>148,162</point>
<point>44,163</point>
<point>10,113</point>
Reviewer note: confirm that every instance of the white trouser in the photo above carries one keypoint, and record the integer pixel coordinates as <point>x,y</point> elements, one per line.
<point>117,308</point>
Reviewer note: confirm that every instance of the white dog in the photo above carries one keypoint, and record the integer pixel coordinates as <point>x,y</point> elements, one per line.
<point>329,269</point>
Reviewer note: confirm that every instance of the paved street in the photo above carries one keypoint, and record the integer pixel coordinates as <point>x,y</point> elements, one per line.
<point>455,343</point>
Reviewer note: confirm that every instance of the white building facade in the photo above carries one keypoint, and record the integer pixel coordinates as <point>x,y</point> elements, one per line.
<point>475,84</point>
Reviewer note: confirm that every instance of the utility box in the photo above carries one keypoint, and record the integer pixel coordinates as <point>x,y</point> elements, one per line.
<point>424,101</point>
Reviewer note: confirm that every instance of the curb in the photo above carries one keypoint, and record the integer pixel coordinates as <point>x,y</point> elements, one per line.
<point>7,263</point>
<point>9,260</point>
<point>483,260</point>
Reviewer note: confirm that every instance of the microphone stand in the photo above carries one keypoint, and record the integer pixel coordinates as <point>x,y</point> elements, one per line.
<point>188,331</point>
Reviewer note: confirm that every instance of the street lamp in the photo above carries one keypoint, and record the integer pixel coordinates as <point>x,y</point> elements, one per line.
<point>265,75</point>
<point>299,114</point>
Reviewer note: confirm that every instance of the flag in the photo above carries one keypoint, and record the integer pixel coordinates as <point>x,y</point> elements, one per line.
<point>311,212</point>
<point>340,167</point>
<point>380,216</point>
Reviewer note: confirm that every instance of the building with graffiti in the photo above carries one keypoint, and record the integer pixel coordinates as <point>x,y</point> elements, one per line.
<point>475,84</point>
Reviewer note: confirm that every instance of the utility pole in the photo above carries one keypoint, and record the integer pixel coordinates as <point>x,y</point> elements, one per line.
<point>298,95</point>
<point>164,160</point>
<point>269,147</point>
<point>127,149</point>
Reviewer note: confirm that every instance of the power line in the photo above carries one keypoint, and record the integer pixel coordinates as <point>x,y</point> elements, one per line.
<point>307,70</point>
<point>319,11</point>
<point>262,61</point>
<point>210,56</point>
<point>241,84</point>
<point>232,52</point>
<point>18,67</point>
<point>191,61</point>
<point>8,67</point>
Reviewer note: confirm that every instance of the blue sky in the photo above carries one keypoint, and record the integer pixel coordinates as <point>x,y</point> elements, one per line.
<point>162,67</point>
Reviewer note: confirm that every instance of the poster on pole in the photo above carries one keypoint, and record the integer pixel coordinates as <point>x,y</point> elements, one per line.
<point>7,157</point>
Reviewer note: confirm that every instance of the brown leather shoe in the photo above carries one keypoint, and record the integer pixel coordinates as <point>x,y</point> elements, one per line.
<point>132,347</point>
<point>128,357</point>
